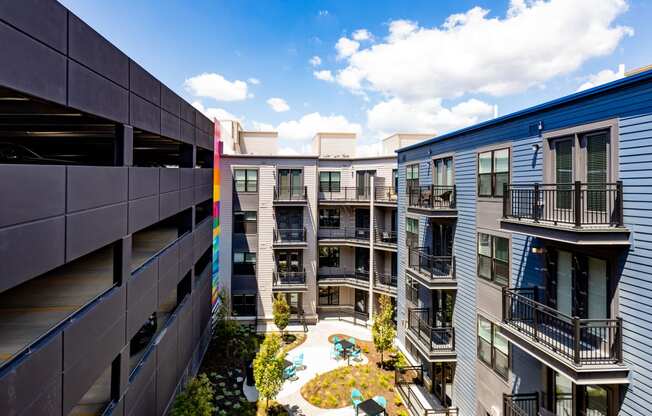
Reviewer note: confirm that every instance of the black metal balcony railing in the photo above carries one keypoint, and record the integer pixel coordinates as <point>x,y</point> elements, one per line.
<point>288,194</point>
<point>290,235</point>
<point>521,404</point>
<point>407,377</point>
<point>385,237</point>
<point>582,341</point>
<point>578,204</point>
<point>343,234</point>
<point>436,267</point>
<point>282,278</point>
<point>412,293</point>
<point>437,338</point>
<point>385,194</point>
<point>244,310</point>
<point>432,197</point>
<point>347,194</point>
<point>361,276</point>
<point>385,279</point>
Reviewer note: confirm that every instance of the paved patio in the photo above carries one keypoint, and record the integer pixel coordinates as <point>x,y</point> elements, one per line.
<point>316,358</point>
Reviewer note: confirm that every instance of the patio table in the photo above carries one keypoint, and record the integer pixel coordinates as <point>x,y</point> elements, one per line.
<point>346,346</point>
<point>370,407</point>
<point>287,363</point>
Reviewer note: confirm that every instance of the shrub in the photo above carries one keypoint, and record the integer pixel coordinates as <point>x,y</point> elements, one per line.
<point>196,399</point>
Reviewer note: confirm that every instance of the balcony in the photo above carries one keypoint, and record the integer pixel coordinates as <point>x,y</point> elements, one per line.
<point>436,343</point>
<point>354,236</point>
<point>289,281</point>
<point>412,293</point>
<point>385,283</point>
<point>357,279</point>
<point>577,213</point>
<point>385,196</point>
<point>287,196</point>
<point>415,395</point>
<point>433,201</point>
<point>585,350</point>
<point>290,238</point>
<point>433,272</point>
<point>351,195</point>
<point>385,240</point>
<point>522,405</point>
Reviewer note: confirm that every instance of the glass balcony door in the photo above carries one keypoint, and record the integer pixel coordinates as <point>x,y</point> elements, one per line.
<point>289,261</point>
<point>363,182</point>
<point>442,386</point>
<point>442,239</point>
<point>290,183</point>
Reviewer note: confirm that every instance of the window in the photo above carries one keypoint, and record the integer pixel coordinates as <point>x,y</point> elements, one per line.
<point>493,172</point>
<point>412,176</point>
<point>493,347</point>
<point>244,305</point>
<point>245,222</point>
<point>329,218</point>
<point>329,296</point>
<point>246,180</point>
<point>290,182</point>
<point>411,232</point>
<point>329,257</point>
<point>244,263</point>
<point>443,172</point>
<point>493,258</point>
<point>329,181</point>
<point>395,179</point>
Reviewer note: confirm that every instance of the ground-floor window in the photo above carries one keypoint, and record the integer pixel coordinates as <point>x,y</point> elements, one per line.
<point>244,304</point>
<point>493,347</point>
<point>329,296</point>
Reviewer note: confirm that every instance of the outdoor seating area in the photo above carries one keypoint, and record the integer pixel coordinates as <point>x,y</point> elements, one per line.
<point>345,349</point>
<point>372,407</point>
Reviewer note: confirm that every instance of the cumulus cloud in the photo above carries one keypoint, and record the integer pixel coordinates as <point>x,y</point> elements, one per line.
<point>306,127</point>
<point>472,52</point>
<point>213,112</point>
<point>215,86</point>
<point>396,115</point>
<point>324,75</point>
<point>346,47</point>
<point>361,35</point>
<point>278,104</point>
<point>304,149</point>
<point>315,61</point>
<point>254,81</point>
<point>258,126</point>
<point>602,77</point>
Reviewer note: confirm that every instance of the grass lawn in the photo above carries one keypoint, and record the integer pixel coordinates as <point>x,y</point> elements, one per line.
<point>333,389</point>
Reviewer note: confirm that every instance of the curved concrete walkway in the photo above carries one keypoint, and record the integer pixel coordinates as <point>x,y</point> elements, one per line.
<point>316,358</point>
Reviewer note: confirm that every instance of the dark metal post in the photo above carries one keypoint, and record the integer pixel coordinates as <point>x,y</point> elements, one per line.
<point>619,339</point>
<point>577,332</point>
<point>619,204</point>
<point>504,290</point>
<point>578,203</point>
<point>535,208</point>
<point>505,200</point>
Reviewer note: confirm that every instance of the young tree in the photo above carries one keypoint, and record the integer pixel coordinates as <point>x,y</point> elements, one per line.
<point>268,368</point>
<point>281,311</point>
<point>383,331</point>
<point>196,399</point>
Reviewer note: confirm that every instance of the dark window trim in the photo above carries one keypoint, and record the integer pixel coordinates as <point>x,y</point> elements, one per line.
<point>337,256</point>
<point>493,348</point>
<point>339,218</point>
<point>245,222</point>
<point>246,191</point>
<point>330,187</point>
<point>409,181</point>
<point>492,259</point>
<point>494,191</point>
<point>333,292</point>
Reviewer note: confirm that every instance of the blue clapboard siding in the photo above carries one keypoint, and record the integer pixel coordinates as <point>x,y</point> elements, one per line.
<point>630,101</point>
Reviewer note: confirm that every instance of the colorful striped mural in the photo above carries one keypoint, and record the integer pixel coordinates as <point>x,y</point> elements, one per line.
<point>217,153</point>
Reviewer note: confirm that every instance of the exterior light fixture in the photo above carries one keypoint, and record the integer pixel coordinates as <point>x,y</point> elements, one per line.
<point>538,250</point>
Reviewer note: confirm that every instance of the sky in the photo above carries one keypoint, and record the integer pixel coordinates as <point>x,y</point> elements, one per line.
<point>373,67</point>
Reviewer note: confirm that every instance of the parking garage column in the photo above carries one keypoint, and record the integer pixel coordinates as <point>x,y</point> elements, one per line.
<point>125,145</point>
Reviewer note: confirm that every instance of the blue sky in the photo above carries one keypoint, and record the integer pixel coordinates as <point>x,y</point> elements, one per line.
<point>427,66</point>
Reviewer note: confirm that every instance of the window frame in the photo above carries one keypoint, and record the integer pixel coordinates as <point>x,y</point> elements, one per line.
<point>410,182</point>
<point>494,350</point>
<point>330,226</point>
<point>246,180</point>
<point>492,259</point>
<point>495,191</point>
<point>333,293</point>
<point>442,159</point>
<point>330,187</point>
<point>411,237</point>
<point>245,256</point>
<point>235,305</point>
<point>337,256</point>
<point>244,222</point>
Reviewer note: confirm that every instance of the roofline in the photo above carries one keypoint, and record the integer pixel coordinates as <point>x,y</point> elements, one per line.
<point>330,159</point>
<point>537,108</point>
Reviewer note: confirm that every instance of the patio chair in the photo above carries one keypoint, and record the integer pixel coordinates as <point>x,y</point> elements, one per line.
<point>336,339</point>
<point>381,401</point>
<point>337,351</point>
<point>290,373</point>
<point>298,362</point>
<point>356,398</point>
<point>352,340</point>
<point>356,355</point>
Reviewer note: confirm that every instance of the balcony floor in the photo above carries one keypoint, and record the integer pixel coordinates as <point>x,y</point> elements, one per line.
<point>568,233</point>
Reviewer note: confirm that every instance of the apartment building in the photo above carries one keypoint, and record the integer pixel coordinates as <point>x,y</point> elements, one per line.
<point>523,259</point>
<point>319,228</point>
<point>105,224</point>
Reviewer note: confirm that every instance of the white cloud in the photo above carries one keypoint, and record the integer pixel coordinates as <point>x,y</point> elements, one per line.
<point>324,75</point>
<point>361,35</point>
<point>303,149</point>
<point>278,104</point>
<point>306,127</point>
<point>367,150</point>
<point>315,61</point>
<point>215,86</point>
<point>254,81</point>
<point>473,52</point>
<point>322,12</point>
<point>346,47</point>
<point>214,113</point>
<point>258,126</point>
<point>602,77</point>
<point>396,115</point>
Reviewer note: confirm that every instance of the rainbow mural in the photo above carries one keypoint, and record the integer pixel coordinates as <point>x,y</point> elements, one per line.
<point>217,153</point>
